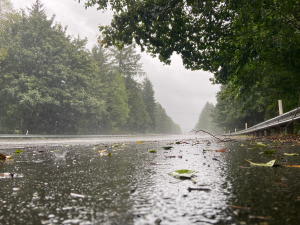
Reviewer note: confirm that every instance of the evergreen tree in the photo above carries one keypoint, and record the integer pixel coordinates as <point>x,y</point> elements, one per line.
<point>138,119</point>
<point>115,95</point>
<point>48,80</point>
<point>164,123</point>
<point>205,120</point>
<point>126,60</point>
<point>149,100</point>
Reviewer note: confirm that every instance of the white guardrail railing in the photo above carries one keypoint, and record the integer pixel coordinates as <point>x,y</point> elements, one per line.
<point>277,121</point>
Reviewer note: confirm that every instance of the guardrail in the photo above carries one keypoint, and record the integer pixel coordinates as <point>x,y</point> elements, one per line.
<point>283,120</point>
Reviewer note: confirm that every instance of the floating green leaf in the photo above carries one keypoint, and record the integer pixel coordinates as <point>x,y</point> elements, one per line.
<point>183,174</point>
<point>18,151</point>
<point>269,152</point>
<point>177,142</point>
<point>109,154</point>
<point>291,154</point>
<point>152,151</point>
<point>242,145</point>
<point>260,144</point>
<point>167,147</point>
<point>269,164</point>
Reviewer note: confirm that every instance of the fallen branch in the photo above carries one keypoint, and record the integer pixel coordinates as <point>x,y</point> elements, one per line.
<point>221,140</point>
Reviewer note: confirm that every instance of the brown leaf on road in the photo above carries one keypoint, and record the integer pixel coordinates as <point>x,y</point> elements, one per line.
<point>221,150</point>
<point>2,156</point>
<point>297,166</point>
<point>240,207</point>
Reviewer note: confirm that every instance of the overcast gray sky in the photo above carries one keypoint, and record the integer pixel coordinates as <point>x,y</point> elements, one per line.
<point>181,92</point>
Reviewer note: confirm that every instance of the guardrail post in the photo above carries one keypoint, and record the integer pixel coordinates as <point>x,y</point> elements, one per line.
<point>280,107</point>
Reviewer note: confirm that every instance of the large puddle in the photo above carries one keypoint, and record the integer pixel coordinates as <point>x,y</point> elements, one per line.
<point>76,184</point>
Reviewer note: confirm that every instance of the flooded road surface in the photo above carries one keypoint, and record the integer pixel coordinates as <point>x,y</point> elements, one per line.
<point>79,183</point>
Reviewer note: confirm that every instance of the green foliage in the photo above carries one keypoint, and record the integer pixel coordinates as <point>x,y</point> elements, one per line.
<point>114,93</point>
<point>45,78</point>
<point>149,100</point>
<point>205,121</point>
<point>50,83</point>
<point>164,123</point>
<point>138,119</point>
<point>251,46</point>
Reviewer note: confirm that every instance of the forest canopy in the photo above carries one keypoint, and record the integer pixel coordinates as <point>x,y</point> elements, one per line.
<point>251,46</point>
<point>50,83</point>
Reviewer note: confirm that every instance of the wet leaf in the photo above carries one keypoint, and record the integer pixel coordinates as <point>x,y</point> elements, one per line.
<point>177,142</point>
<point>139,142</point>
<point>102,151</point>
<point>296,166</point>
<point>242,145</point>
<point>221,150</point>
<point>183,174</point>
<point>9,157</point>
<point>291,154</point>
<point>269,164</point>
<point>2,156</point>
<point>269,152</point>
<point>18,151</point>
<point>260,144</point>
<point>240,207</point>
<point>109,154</point>
<point>167,147</point>
<point>152,151</point>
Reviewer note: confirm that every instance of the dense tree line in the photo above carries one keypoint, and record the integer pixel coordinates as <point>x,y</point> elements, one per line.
<point>50,83</point>
<point>205,121</point>
<point>251,46</point>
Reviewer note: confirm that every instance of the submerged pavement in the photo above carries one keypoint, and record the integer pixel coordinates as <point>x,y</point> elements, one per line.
<point>118,181</point>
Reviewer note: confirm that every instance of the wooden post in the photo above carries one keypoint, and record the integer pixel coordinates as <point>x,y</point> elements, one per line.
<point>235,130</point>
<point>246,126</point>
<point>280,107</point>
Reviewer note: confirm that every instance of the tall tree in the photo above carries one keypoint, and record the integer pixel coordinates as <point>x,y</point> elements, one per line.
<point>138,119</point>
<point>115,95</point>
<point>126,60</point>
<point>205,121</point>
<point>48,80</point>
<point>164,123</point>
<point>149,100</point>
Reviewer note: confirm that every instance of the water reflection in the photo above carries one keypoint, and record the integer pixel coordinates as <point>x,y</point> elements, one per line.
<point>162,198</point>
<point>76,185</point>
